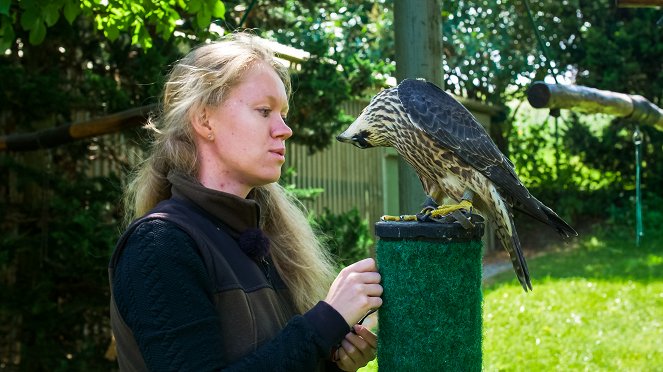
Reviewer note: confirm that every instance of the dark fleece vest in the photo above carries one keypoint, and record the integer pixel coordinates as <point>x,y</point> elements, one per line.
<point>252,302</point>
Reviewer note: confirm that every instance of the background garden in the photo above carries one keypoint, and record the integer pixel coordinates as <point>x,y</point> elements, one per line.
<point>597,301</point>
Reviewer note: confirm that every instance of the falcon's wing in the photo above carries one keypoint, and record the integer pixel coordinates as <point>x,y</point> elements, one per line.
<point>451,126</point>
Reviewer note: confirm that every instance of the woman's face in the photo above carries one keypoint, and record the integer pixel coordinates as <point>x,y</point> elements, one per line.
<point>249,133</point>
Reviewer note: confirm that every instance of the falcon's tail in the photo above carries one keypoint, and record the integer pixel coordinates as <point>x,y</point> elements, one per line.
<point>557,222</point>
<point>512,245</point>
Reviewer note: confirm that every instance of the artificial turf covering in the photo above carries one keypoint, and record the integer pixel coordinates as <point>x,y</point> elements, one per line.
<point>431,316</point>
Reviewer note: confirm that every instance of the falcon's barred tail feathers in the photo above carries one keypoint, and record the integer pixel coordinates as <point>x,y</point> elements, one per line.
<point>451,152</point>
<point>515,254</point>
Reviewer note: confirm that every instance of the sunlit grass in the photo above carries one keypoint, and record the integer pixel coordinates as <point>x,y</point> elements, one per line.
<point>575,324</point>
<point>595,307</point>
<point>598,307</point>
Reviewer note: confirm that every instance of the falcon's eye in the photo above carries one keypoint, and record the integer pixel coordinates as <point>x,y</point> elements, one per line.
<point>360,139</point>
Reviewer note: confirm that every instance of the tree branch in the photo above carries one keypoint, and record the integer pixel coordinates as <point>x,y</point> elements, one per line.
<point>53,137</point>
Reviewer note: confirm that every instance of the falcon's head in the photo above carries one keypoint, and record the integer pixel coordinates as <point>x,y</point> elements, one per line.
<point>377,123</point>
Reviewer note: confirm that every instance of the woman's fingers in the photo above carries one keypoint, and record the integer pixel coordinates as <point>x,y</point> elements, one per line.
<point>366,335</point>
<point>356,290</point>
<point>367,264</point>
<point>357,350</point>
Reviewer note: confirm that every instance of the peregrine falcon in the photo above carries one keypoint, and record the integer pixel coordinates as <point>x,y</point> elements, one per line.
<point>454,157</point>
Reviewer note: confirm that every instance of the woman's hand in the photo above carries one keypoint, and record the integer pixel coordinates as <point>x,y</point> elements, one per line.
<point>356,290</point>
<point>357,349</point>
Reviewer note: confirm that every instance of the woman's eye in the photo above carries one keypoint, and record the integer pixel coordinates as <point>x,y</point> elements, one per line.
<point>264,112</point>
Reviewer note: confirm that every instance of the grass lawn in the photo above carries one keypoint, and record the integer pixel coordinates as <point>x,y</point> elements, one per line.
<point>595,307</point>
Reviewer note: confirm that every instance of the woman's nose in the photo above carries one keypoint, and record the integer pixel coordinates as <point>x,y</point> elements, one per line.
<point>281,130</point>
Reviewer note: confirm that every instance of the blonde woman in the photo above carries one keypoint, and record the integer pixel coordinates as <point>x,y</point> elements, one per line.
<point>220,270</point>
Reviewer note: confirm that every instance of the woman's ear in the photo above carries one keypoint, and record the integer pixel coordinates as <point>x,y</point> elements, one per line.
<point>201,125</point>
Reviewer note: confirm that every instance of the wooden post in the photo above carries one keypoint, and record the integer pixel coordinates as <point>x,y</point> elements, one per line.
<point>418,37</point>
<point>593,101</point>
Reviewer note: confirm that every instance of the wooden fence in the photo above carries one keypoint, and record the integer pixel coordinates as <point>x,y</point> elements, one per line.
<point>351,177</point>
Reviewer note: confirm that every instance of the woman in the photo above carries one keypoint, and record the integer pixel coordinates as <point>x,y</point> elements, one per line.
<point>221,270</point>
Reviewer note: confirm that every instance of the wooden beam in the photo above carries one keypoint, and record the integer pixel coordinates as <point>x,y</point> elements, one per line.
<point>594,101</point>
<point>53,137</point>
<point>638,3</point>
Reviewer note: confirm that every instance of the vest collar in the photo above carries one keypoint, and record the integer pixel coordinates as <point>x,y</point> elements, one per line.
<point>234,212</point>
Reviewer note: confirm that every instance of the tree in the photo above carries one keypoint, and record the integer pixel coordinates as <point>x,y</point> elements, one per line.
<point>142,20</point>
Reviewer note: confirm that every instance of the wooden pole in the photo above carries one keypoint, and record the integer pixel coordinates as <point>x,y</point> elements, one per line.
<point>594,101</point>
<point>418,42</point>
<point>52,137</point>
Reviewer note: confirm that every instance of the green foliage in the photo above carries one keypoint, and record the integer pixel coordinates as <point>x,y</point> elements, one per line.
<point>491,52</point>
<point>286,181</point>
<point>619,50</point>
<point>53,267</point>
<point>585,167</point>
<point>611,151</point>
<point>101,77</point>
<point>345,234</point>
<point>53,257</point>
<point>341,66</point>
<point>142,20</point>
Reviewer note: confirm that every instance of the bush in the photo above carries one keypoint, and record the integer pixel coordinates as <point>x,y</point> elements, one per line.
<point>346,235</point>
<point>53,270</point>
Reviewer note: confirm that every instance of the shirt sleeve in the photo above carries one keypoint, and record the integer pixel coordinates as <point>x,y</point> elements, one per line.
<point>165,296</point>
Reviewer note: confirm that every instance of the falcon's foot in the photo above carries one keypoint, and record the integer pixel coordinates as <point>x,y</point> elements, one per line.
<point>443,210</point>
<point>433,212</point>
<point>460,212</point>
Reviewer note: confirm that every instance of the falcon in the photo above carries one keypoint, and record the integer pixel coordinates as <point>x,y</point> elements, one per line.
<point>454,157</point>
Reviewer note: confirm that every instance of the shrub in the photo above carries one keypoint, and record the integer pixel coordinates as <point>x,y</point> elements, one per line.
<point>346,235</point>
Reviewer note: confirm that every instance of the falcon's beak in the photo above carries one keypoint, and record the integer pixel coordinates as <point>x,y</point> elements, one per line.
<point>357,139</point>
<point>344,137</point>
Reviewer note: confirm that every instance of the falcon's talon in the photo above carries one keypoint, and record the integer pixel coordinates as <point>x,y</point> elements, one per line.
<point>423,217</point>
<point>427,210</point>
<point>462,219</point>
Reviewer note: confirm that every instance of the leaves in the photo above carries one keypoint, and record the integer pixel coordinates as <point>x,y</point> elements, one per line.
<point>219,10</point>
<point>71,10</point>
<point>4,6</point>
<point>37,33</point>
<point>6,33</point>
<point>143,21</point>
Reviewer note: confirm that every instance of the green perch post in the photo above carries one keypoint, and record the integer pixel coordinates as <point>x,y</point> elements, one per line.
<point>430,319</point>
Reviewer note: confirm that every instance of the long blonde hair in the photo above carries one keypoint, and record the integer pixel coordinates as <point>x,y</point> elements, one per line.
<point>203,78</point>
